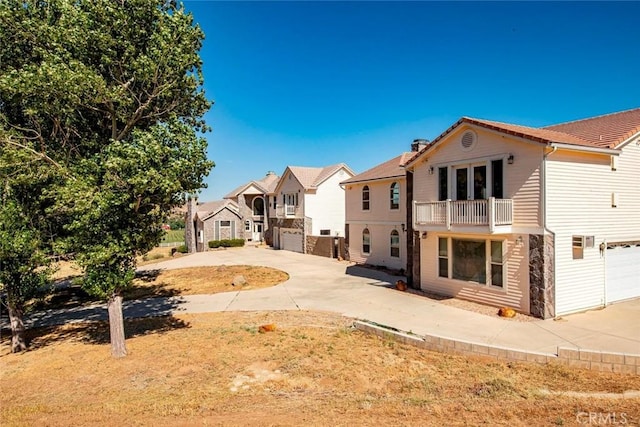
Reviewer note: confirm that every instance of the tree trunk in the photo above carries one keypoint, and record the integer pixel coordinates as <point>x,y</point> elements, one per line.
<point>189,229</point>
<point>116,326</point>
<point>18,342</point>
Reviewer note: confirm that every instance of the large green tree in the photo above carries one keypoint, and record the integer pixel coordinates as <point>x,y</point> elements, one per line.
<point>109,94</point>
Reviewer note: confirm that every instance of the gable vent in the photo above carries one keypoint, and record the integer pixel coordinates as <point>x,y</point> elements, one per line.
<point>468,140</point>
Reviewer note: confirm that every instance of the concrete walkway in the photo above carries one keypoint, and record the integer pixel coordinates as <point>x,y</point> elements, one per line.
<point>318,283</point>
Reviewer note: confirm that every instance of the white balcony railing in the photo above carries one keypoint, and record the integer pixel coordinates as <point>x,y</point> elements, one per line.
<point>491,212</point>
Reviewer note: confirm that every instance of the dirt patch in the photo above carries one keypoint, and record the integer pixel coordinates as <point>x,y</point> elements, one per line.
<point>313,369</point>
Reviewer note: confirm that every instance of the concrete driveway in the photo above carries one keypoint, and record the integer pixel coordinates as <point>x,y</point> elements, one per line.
<point>318,283</point>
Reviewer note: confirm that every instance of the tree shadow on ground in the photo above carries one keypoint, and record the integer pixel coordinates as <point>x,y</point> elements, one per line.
<point>93,332</point>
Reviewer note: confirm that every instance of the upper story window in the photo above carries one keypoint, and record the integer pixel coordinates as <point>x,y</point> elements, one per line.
<point>394,193</point>
<point>477,181</point>
<point>395,244</point>
<point>258,206</point>
<point>366,241</point>
<point>365,198</point>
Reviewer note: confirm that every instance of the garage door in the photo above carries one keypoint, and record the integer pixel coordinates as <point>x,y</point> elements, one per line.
<point>291,239</point>
<point>623,272</point>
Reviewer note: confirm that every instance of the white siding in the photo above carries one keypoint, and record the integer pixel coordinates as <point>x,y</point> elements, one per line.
<point>521,179</point>
<point>290,185</point>
<point>326,207</point>
<point>380,252</point>
<point>516,292</point>
<point>380,219</point>
<point>579,188</point>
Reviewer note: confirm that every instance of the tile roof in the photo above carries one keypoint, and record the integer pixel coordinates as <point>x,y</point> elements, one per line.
<point>207,209</point>
<point>389,169</point>
<point>607,131</point>
<point>266,185</point>
<point>312,177</point>
<point>604,132</point>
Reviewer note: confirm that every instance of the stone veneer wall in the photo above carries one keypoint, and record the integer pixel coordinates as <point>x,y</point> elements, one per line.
<point>541,276</point>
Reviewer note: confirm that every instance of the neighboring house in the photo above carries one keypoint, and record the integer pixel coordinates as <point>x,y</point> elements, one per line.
<point>544,220</point>
<point>252,200</point>
<point>218,220</point>
<point>306,208</point>
<point>376,213</point>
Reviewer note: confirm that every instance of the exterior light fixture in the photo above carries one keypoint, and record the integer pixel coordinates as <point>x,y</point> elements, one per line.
<point>430,170</point>
<point>510,159</point>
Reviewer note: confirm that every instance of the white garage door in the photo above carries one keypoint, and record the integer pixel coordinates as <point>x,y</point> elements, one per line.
<point>291,239</point>
<point>623,273</point>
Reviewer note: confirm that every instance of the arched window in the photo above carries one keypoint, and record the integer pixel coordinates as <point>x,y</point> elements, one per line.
<point>258,206</point>
<point>395,244</point>
<point>366,241</point>
<point>394,192</point>
<point>365,198</point>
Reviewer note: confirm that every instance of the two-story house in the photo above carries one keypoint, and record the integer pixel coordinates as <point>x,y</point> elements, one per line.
<point>307,203</point>
<point>544,220</point>
<point>252,200</point>
<point>376,213</point>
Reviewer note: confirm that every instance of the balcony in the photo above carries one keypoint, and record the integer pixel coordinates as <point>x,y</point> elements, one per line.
<point>288,211</point>
<point>491,215</point>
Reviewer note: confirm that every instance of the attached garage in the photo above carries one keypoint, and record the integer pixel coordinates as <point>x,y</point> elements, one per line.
<point>291,239</point>
<point>623,272</point>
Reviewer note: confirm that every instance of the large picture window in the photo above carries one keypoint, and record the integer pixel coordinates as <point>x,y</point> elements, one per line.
<point>469,260</point>
<point>395,244</point>
<point>365,198</point>
<point>395,195</point>
<point>366,241</point>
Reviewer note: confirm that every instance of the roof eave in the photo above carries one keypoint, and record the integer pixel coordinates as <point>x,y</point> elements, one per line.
<point>373,179</point>
<point>571,147</point>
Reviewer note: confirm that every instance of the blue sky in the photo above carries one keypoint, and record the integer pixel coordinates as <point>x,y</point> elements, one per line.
<point>318,83</point>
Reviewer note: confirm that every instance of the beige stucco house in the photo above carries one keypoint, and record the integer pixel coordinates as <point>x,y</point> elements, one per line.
<point>376,214</point>
<point>544,220</point>
<point>307,210</point>
<point>252,199</point>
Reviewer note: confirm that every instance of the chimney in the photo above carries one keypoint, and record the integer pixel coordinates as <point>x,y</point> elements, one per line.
<point>419,144</point>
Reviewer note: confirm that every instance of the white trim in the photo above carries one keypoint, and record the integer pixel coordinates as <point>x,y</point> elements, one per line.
<point>364,221</point>
<point>570,147</point>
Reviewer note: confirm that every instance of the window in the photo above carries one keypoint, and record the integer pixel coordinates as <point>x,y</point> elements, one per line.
<point>442,183</point>
<point>366,241</point>
<point>395,244</point>
<point>496,175</point>
<point>224,230</point>
<point>247,225</point>
<point>472,181</point>
<point>325,232</point>
<point>469,260</point>
<point>497,278</point>
<point>478,261</point>
<point>394,192</point>
<point>577,245</point>
<point>365,198</point>
<point>258,206</point>
<point>443,257</point>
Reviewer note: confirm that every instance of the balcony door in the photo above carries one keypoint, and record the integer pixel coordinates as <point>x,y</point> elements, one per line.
<point>470,182</point>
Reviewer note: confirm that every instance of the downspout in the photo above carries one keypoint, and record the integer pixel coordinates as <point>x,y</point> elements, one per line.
<point>545,229</point>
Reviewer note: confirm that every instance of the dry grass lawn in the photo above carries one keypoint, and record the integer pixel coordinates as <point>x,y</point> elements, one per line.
<point>216,369</point>
<point>203,280</point>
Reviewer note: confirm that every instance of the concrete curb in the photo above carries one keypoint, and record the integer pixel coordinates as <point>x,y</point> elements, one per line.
<point>578,358</point>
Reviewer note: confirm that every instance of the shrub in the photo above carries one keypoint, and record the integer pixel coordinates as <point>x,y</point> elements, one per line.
<point>230,243</point>
<point>182,249</point>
